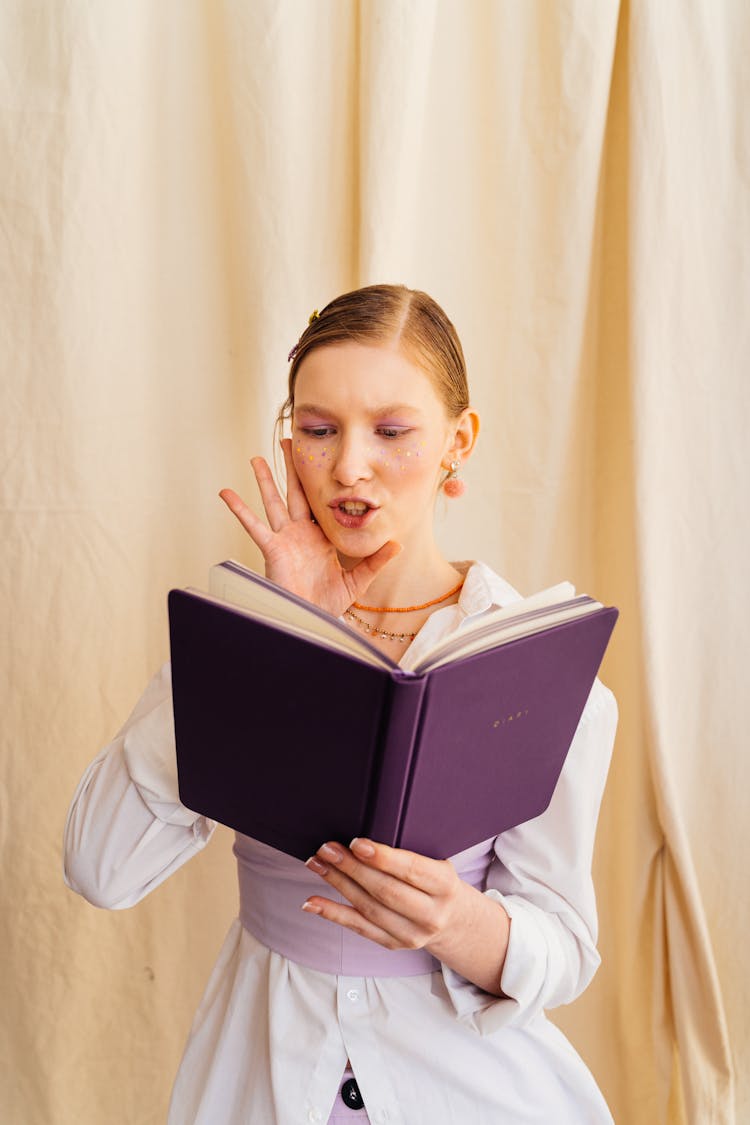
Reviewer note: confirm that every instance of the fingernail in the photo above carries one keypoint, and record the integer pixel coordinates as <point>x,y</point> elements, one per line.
<point>332,852</point>
<point>310,907</point>
<point>361,847</point>
<point>316,866</point>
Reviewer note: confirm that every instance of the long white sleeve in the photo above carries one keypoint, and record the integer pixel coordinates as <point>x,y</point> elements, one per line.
<point>541,875</point>
<point>126,830</point>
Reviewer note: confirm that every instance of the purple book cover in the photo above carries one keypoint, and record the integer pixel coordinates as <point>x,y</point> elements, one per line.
<point>294,744</point>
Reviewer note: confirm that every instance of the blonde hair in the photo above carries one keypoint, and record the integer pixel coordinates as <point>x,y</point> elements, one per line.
<point>394,314</point>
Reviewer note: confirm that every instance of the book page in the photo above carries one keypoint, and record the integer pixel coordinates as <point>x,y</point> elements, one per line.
<point>231,582</point>
<point>522,618</point>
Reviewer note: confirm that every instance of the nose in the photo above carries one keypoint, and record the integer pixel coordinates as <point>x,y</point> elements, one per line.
<point>352,461</point>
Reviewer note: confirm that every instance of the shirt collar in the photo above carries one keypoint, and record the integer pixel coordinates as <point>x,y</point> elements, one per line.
<point>483,589</point>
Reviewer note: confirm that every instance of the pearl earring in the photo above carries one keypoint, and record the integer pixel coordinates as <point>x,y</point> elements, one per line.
<point>452,485</point>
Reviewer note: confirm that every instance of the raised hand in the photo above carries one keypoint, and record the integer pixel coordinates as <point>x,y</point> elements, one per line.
<point>297,554</point>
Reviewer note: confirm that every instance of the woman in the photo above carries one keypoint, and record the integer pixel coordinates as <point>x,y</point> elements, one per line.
<point>371,983</point>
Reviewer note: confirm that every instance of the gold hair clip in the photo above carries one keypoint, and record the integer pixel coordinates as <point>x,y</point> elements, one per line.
<point>314,315</point>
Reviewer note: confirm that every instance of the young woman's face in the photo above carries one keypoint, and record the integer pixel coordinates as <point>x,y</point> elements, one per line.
<point>370,436</point>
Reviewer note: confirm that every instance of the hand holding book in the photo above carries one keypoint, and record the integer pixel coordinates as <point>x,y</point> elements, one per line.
<point>403,900</point>
<point>298,556</point>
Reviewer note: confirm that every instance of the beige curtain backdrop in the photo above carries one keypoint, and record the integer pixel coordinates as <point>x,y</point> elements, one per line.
<point>181,182</point>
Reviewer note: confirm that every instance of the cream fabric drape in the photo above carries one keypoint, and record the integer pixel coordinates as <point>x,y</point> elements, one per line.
<point>180,184</point>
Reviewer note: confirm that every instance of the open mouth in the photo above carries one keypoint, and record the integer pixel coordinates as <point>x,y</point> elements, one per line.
<point>353,513</point>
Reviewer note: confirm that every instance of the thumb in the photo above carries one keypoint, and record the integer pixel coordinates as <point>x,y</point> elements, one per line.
<point>363,573</point>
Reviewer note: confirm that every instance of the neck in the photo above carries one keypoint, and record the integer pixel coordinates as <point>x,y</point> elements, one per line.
<point>413,577</point>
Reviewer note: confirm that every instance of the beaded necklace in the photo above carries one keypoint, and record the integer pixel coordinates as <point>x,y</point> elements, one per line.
<point>385,633</point>
<point>409,608</point>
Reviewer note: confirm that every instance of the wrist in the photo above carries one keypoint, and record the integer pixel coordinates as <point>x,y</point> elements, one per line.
<point>475,944</point>
<point>459,926</point>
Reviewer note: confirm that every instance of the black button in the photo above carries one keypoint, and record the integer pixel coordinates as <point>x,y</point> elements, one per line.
<point>351,1096</point>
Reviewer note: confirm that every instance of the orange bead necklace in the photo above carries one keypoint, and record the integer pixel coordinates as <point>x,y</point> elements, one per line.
<point>408,608</point>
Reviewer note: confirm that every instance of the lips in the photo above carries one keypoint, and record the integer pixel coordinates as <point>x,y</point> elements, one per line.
<point>352,511</point>
<point>352,504</point>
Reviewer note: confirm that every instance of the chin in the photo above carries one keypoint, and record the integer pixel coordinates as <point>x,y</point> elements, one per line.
<point>351,546</point>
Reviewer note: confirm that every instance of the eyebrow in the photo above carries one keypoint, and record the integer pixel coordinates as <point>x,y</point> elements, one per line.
<point>387,408</point>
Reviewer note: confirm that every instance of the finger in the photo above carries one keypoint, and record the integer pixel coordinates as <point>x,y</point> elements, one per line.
<point>360,576</point>
<point>299,509</point>
<point>349,917</point>
<point>410,917</point>
<point>275,508</point>
<point>254,526</point>
<point>354,879</point>
<point>431,876</point>
<point>388,903</point>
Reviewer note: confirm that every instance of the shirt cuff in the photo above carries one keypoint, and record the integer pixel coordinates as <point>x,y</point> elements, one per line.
<point>527,971</point>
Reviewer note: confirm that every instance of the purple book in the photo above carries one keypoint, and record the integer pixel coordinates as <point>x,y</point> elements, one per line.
<point>294,730</point>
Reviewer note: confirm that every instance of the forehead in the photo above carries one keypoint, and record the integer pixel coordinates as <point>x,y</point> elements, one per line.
<point>352,376</point>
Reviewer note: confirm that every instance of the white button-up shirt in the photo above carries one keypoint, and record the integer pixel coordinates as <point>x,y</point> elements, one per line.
<point>271,1036</point>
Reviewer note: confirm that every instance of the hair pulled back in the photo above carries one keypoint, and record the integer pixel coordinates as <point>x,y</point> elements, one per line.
<point>389,314</point>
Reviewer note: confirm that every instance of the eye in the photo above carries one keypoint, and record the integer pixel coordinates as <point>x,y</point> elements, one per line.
<point>318,431</point>
<point>393,431</point>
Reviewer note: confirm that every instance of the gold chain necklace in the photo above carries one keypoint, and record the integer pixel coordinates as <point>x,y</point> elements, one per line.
<point>371,629</point>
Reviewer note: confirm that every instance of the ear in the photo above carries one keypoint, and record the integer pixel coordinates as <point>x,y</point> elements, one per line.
<point>465,430</point>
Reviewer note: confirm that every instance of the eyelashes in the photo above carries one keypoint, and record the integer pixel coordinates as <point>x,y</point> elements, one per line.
<point>390,433</point>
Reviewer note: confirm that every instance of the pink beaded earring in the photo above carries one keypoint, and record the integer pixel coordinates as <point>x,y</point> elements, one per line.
<point>452,485</point>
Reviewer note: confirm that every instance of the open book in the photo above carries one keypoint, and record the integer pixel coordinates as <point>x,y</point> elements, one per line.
<point>294,729</point>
